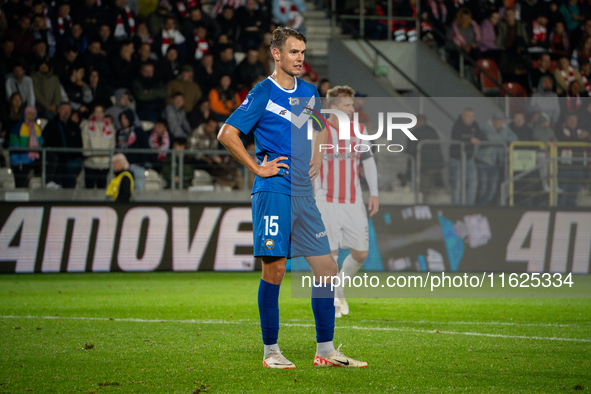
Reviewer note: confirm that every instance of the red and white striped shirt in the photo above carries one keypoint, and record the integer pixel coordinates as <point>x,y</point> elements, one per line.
<point>338,180</point>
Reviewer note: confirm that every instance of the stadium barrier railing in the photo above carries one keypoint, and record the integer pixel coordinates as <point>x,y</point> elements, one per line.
<point>550,166</point>
<point>110,152</point>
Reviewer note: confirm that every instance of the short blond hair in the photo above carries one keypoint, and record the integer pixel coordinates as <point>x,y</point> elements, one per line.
<point>338,91</point>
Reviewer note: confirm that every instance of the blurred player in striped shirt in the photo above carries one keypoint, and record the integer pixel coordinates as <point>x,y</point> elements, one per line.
<point>338,191</point>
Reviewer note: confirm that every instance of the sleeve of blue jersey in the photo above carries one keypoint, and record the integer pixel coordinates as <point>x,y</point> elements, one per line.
<point>247,115</point>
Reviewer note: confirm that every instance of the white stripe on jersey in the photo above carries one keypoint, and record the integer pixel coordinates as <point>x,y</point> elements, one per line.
<point>339,178</point>
<point>297,121</point>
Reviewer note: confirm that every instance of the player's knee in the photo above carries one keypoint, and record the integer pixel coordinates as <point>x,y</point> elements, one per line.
<point>359,256</point>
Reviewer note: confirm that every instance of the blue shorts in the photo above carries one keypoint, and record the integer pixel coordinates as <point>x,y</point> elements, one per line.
<point>287,226</point>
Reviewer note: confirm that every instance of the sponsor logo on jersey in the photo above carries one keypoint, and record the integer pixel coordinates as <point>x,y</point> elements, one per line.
<point>283,112</point>
<point>294,101</point>
<point>320,235</point>
<point>269,244</point>
<point>246,104</point>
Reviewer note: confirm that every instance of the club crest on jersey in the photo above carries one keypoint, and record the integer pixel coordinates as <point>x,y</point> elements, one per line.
<point>269,244</point>
<point>246,104</point>
<point>294,101</point>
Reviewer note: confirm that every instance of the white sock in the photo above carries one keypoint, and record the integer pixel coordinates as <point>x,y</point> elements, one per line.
<point>268,349</point>
<point>324,349</point>
<point>350,268</point>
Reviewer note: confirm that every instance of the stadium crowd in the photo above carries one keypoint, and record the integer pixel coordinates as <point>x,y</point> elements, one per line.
<point>130,74</point>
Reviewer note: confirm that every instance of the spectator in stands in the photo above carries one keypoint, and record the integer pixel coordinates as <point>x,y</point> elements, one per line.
<point>488,37</point>
<point>223,100</point>
<point>142,35</point>
<point>62,24</point>
<point>545,99</point>
<point>98,92</point>
<point>19,82</point>
<point>572,15</point>
<point>323,86</point>
<point>169,36</point>
<point>226,64</point>
<point>12,10</point>
<point>60,132</point>
<point>8,58</point>
<point>122,20</point>
<point>200,113</point>
<point>108,45</point>
<point>515,63</point>
<point>88,14</point>
<point>198,18</point>
<point>26,134</point>
<point>64,62</point>
<point>465,130</point>
<point>97,133</point>
<point>23,36</point>
<point>265,55</point>
<point>43,33</point>
<point>185,85</point>
<point>144,55</point>
<point>178,145</point>
<point>47,89</point>
<point>522,130</point>
<point>77,90</point>
<point>38,55</point>
<point>440,13</point>
<point>204,137</point>
<point>538,33</point>
<point>123,67</point>
<point>512,32</point>
<point>564,74</point>
<point>177,117</point>
<point>130,136</point>
<point>571,173</point>
<point>121,187</point>
<point>76,39</point>
<point>585,31</point>
<point>586,74</point>
<point>157,19</point>
<point>159,140</point>
<point>169,66</point>
<point>15,113</point>
<point>465,33</point>
<point>250,23</point>
<point>559,41</point>
<point>571,99</point>
<point>122,102</point>
<point>206,75</point>
<point>249,69</point>
<point>149,92</point>
<point>543,70</point>
<point>198,46</point>
<point>228,24</point>
<point>95,59</point>
<point>583,51</point>
<point>490,160</point>
<point>431,158</point>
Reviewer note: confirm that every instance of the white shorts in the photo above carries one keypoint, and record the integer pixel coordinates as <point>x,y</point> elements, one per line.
<point>346,225</point>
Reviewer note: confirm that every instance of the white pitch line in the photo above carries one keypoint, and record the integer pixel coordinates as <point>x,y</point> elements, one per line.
<point>211,321</point>
<point>492,323</point>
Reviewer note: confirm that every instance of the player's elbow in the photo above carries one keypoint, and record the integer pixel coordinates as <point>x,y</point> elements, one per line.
<point>223,135</point>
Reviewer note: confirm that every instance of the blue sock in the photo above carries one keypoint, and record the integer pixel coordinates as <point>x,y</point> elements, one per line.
<point>323,308</point>
<point>269,311</point>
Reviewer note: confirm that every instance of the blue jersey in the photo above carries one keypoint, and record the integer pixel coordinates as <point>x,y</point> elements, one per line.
<point>278,118</point>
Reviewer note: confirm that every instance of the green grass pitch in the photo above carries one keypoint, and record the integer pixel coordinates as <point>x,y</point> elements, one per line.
<point>199,332</point>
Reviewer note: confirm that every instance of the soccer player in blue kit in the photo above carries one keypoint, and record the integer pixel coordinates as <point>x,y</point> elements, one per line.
<point>286,221</point>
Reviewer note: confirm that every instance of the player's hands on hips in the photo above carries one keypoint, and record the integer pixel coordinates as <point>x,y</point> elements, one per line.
<point>314,169</point>
<point>373,205</point>
<point>273,167</point>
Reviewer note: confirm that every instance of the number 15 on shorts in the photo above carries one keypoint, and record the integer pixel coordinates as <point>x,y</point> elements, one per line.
<point>271,226</point>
